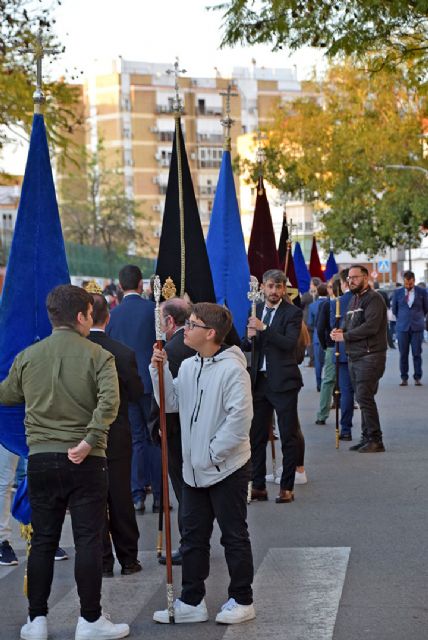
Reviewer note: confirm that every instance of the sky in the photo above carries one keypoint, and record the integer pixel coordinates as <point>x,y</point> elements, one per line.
<point>150,31</point>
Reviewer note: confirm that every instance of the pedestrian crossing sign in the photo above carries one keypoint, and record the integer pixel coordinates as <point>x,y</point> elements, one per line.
<point>383,266</point>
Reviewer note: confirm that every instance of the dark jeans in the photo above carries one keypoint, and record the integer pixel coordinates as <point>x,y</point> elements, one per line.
<point>175,470</point>
<point>146,456</point>
<point>225,501</point>
<point>285,405</point>
<point>319,358</point>
<point>365,375</point>
<point>55,483</point>
<point>120,522</point>
<point>407,339</point>
<point>346,399</point>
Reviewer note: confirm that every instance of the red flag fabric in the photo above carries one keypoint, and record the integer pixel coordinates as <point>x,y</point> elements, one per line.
<point>315,264</point>
<point>262,253</point>
<point>282,252</point>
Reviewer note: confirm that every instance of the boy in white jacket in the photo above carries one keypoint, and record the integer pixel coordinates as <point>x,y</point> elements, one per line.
<point>212,394</point>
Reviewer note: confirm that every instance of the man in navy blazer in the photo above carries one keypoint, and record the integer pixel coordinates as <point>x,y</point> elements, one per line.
<point>133,324</point>
<point>410,306</point>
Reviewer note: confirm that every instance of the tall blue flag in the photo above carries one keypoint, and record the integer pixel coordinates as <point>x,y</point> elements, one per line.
<point>37,263</point>
<point>331,267</point>
<point>226,249</point>
<point>302,273</point>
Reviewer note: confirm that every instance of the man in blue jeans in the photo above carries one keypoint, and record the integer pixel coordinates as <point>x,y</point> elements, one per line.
<point>71,394</point>
<point>410,306</point>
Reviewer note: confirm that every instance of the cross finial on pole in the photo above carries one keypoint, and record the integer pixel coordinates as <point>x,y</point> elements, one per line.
<point>39,53</point>
<point>177,105</point>
<point>227,121</point>
<point>260,154</point>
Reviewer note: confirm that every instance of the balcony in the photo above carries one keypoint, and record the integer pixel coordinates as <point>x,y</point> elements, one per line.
<point>208,111</point>
<point>206,190</point>
<point>211,138</point>
<point>209,164</point>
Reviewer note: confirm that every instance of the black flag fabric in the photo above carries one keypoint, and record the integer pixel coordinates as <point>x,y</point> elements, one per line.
<point>182,240</point>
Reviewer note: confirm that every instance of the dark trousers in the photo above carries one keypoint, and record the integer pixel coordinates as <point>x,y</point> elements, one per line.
<point>413,339</point>
<point>175,470</point>
<point>365,375</point>
<point>346,399</point>
<point>55,483</point>
<point>146,456</point>
<point>225,501</point>
<point>319,358</point>
<point>285,405</point>
<point>120,524</point>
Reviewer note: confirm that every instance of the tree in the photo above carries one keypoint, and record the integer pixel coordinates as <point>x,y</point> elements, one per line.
<point>332,146</point>
<point>95,209</point>
<point>19,25</point>
<point>395,31</point>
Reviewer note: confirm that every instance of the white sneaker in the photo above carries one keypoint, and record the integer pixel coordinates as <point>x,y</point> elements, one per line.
<point>233,613</point>
<point>300,477</point>
<point>35,630</point>
<point>183,613</point>
<point>275,478</point>
<point>101,629</point>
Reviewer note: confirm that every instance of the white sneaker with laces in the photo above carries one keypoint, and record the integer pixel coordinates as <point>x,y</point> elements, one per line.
<point>233,613</point>
<point>183,613</point>
<point>101,629</point>
<point>35,630</point>
<point>275,478</point>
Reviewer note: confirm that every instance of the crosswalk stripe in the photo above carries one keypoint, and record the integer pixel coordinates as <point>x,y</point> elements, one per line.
<point>296,595</point>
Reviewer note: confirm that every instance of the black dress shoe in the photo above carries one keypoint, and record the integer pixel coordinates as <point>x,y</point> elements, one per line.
<point>418,383</point>
<point>346,436</point>
<point>372,447</point>
<point>108,572</point>
<point>259,495</point>
<point>319,421</point>
<point>404,383</point>
<point>175,557</point>
<point>129,569</point>
<point>357,447</point>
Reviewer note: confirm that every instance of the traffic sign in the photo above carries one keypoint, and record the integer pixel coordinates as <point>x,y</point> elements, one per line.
<point>384,266</point>
<point>374,274</point>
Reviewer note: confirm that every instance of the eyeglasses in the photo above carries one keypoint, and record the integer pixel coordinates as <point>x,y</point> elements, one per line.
<point>189,324</point>
<point>349,278</point>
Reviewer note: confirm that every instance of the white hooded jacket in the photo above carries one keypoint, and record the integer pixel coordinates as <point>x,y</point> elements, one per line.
<point>213,398</point>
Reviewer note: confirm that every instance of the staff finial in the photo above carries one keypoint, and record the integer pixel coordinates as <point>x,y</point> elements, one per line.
<point>227,121</point>
<point>177,105</point>
<point>39,53</point>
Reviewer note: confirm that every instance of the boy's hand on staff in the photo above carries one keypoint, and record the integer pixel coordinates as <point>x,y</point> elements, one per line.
<point>159,356</point>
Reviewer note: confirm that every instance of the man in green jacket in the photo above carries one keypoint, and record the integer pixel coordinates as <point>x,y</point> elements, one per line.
<point>71,394</point>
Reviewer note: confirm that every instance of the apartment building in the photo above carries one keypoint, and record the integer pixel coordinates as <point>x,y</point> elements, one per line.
<point>129,106</point>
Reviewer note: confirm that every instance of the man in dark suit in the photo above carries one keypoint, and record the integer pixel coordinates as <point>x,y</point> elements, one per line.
<point>174,313</point>
<point>133,324</point>
<point>276,381</point>
<point>121,523</point>
<point>410,306</point>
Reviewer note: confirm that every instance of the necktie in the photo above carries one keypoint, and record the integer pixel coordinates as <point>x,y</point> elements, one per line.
<point>266,320</point>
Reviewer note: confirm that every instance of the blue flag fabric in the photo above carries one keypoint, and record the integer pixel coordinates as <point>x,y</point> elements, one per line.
<point>226,249</point>
<point>37,263</point>
<point>302,273</point>
<point>331,267</point>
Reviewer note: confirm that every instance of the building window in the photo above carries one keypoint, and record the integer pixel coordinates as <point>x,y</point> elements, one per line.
<point>209,157</point>
<point>201,107</point>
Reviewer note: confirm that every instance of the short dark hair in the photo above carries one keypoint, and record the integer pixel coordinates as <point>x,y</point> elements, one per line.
<point>65,302</point>
<point>276,275</point>
<point>322,289</point>
<point>100,310</point>
<point>180,311</point>
<point>408,275</point>
<point>130,277</point>
<point>214,316</point>
<point>361,267</point>
<point>344,274</point>
<point>316,281</point>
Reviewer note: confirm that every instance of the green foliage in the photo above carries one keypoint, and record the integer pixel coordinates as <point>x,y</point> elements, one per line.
<point>95,209</point>
<point>331,147</point>
<point>19,25</point>
<point>391,31</point>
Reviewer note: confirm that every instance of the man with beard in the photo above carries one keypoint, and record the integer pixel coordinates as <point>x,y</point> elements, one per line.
<point>364,335</point>
<point>276,382</point>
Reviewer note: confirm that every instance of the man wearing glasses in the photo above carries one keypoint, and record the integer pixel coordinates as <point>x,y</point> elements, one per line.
<point>365,341</point>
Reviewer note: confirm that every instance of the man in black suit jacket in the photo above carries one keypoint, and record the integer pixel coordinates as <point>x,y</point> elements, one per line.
<point>121,524</point>
<point>174,313</point>
<point>276,382</point>
<point>133,324</point>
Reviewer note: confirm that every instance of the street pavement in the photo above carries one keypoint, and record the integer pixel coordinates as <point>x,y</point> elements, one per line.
<point>347,560</point>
